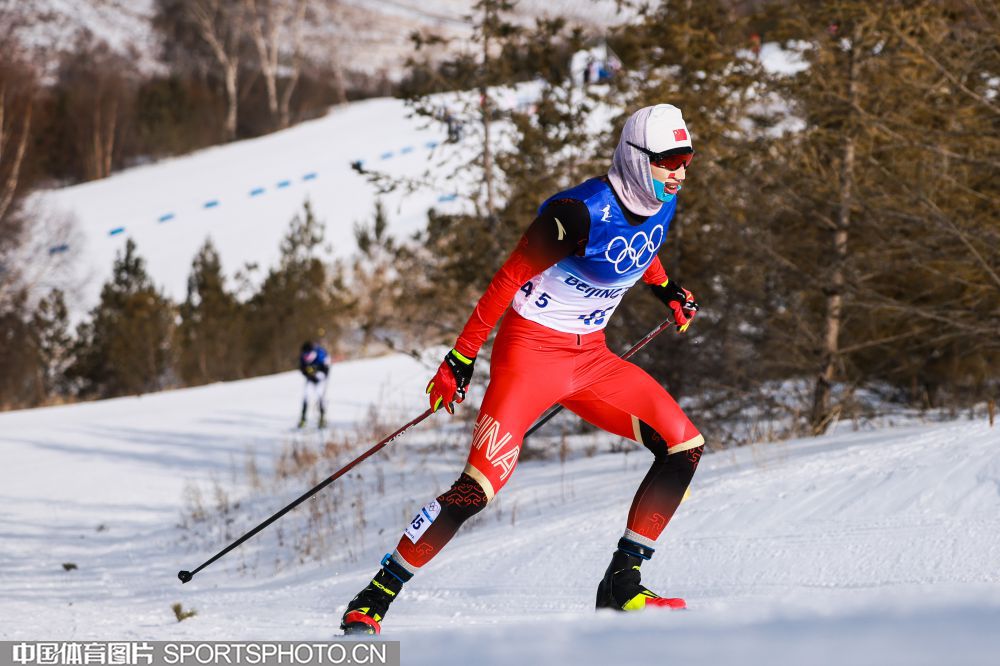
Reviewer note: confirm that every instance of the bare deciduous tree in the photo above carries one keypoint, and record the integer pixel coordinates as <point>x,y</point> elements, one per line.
<point>98,89</point>
<point>221,25</point>
<point>17,94</point>
<point>275,26</point>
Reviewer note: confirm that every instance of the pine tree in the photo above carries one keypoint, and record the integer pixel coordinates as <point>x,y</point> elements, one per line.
<point>380,287</point>
<point>301,299</point>
<point>477,69</point>
<point>882,238</point>
<point>210,336</point>
<point>930,310</point>
<point>20,380</point>
<point>124,348</point>
<point>53,343</point>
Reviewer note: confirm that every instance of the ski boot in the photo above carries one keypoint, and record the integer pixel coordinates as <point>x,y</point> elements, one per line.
<point>322,418</point>
<point>302,419</point>
<point>620,588</point>
<point>367,609</point>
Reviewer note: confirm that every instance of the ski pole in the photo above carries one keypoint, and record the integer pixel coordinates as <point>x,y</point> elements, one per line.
<point>631,352</point>
<point>185,576</point>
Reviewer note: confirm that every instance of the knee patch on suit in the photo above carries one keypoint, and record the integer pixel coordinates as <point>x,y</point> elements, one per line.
<point>685,463</point>
<point>659,447</point>
<point>465,499</point>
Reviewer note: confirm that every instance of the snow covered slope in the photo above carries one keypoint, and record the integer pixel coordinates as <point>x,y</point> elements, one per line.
<point>243,195</point>
<point>875,547</point>
<point>366,35</point>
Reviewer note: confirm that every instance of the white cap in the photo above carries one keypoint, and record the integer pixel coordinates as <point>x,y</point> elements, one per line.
<point>666,129</point>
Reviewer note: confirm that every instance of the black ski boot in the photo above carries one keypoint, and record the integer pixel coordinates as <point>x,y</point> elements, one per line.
<point>367,609</point>
<point>620,588</point>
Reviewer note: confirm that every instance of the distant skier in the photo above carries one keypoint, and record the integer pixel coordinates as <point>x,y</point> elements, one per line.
<point>585,249</point>
<point>314,363</point>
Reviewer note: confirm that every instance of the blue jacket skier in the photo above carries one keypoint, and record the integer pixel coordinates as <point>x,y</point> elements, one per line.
<point>314,364</point>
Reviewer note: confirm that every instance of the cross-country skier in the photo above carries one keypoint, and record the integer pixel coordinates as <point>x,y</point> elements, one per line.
<point>566,276</point>
<point>314,364</point>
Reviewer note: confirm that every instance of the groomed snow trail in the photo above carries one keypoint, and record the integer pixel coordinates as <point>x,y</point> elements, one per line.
<point>878,546</point>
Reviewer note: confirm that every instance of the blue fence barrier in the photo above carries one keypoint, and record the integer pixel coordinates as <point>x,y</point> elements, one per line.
<point>166,217</point>
<point>211,204</point>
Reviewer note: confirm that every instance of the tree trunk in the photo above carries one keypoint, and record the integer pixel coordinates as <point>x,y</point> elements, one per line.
<point>339,85</point>
<point>822,413</point>
<point>486,111</point>
<point>488,157</point>
<point>232,100</point>
<point>96,145</point>
<point>284,109</point>
<point>271,83</point>
<point>109,139</point>
<point>9,188</point>
<point>284,113</point>
<point>267,48</point>
<point>222,31</point>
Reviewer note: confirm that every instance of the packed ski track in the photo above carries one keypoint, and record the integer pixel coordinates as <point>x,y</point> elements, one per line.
<point>876,546</point>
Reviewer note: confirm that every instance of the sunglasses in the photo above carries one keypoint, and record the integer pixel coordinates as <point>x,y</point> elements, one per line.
<point>668,162</point>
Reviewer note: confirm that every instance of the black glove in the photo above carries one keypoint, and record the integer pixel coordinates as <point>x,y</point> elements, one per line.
<point>679,300</point>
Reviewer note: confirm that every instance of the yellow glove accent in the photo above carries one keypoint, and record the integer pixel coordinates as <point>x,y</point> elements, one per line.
<point>467,361</point>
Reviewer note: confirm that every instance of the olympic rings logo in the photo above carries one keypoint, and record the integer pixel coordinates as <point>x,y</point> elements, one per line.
<point>627,255</point>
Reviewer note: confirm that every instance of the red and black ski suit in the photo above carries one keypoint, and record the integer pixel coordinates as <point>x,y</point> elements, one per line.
<point>535,366</point>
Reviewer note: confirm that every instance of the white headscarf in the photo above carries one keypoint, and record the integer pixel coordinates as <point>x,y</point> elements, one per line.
<point>655,128</point>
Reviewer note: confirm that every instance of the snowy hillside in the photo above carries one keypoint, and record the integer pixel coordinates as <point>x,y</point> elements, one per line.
<point>875,547</point>
<point>243,195</point>
<point>364,35</point>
